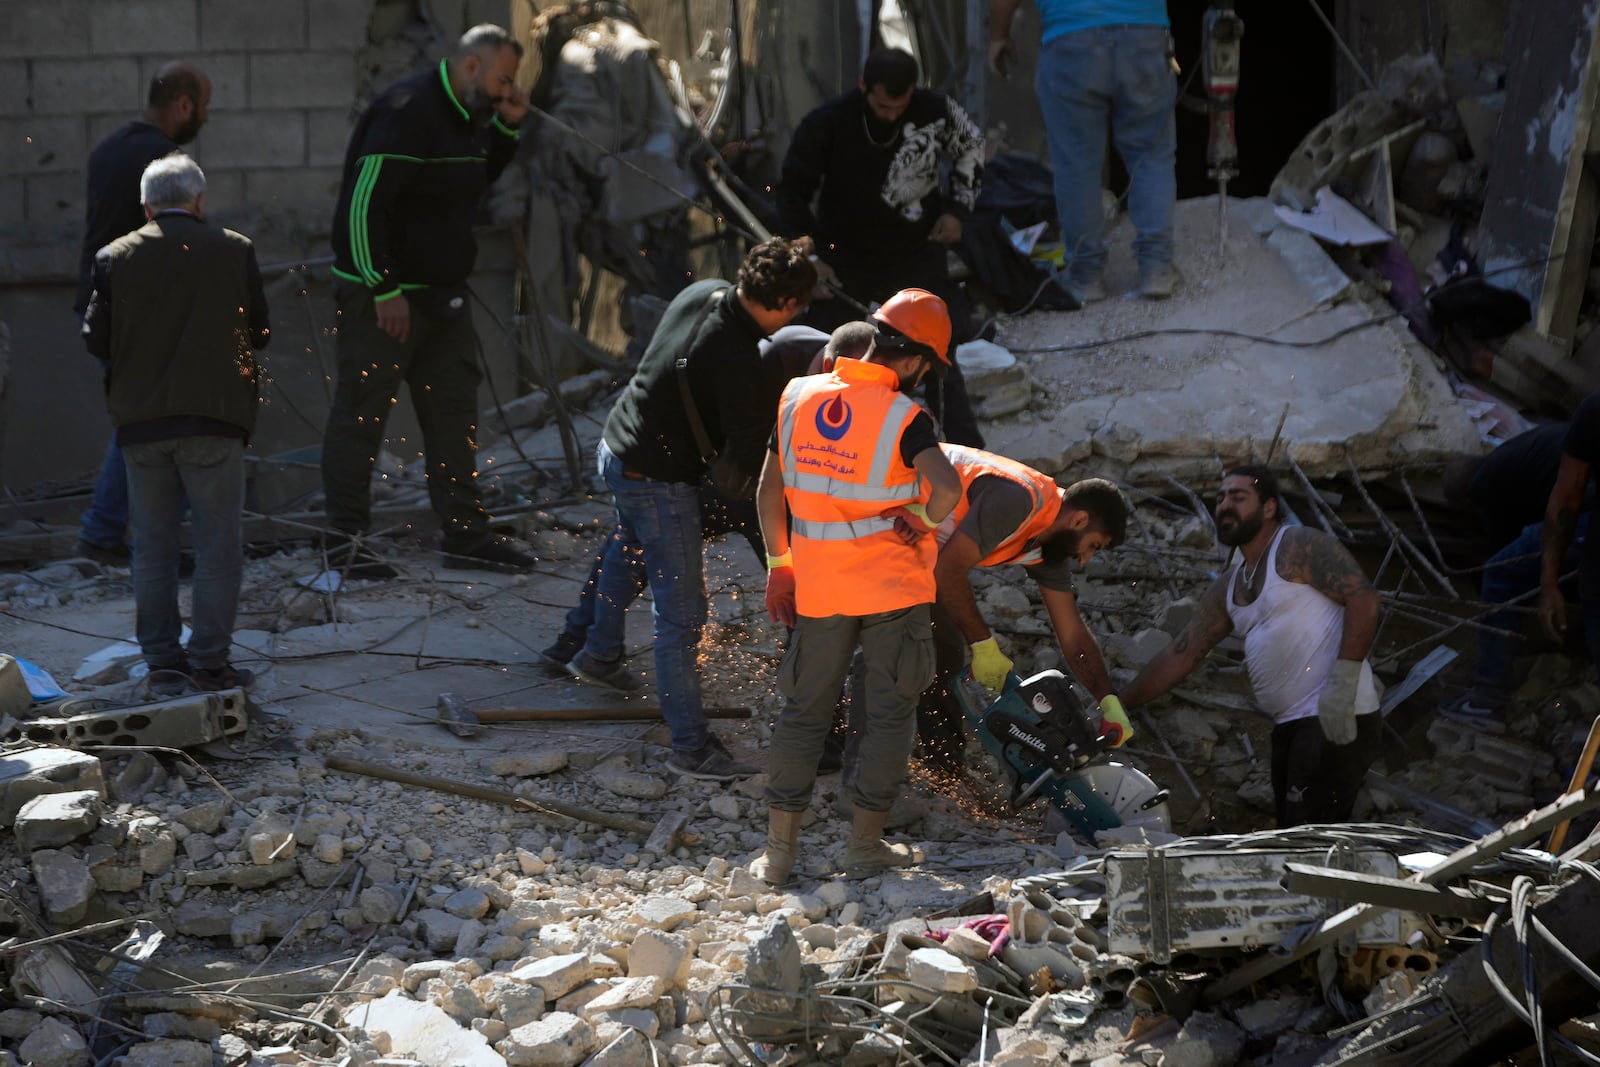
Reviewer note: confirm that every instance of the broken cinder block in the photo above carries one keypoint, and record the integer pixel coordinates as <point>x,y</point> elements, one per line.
<point>37,771</point>
<point>56,819</point>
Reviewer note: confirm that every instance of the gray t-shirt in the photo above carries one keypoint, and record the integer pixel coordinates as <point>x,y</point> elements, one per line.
<point>999,507</point>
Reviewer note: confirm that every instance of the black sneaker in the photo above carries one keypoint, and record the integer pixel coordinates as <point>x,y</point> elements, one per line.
<point>610,675</point>
<point>110,555</point>
<point>561,652</point>
<point>355,561</point>
<point>503,554</point>
<point>713,763</point>
<point>227,676</point>
<point>169,679</point>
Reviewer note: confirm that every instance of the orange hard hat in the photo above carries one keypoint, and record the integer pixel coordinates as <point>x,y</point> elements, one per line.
<point>916,316</point>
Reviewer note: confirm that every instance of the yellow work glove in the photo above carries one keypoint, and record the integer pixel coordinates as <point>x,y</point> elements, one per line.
<point>1114,723</point>
<point>989,665</point>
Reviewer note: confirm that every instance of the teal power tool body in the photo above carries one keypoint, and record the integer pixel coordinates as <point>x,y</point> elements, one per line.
<point>1046,736</point>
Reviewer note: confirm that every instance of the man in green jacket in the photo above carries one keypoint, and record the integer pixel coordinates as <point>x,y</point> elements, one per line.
<point>419,161</point>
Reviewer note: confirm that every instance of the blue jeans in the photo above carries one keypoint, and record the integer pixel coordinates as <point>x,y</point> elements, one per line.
<point>658,523</point>
<point>105,524</point>
<point>717,517</point>
<point>210,472</point>
<point>1510,572</point>
<point>1120,75</point>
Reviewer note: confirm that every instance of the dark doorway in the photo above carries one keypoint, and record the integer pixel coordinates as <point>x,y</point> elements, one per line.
<point>1286,86</point>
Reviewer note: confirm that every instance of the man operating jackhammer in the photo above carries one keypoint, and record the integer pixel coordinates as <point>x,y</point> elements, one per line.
<point>856,470</point>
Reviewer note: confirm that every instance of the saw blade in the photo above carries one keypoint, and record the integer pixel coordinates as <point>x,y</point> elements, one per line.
<point>1126,791</point>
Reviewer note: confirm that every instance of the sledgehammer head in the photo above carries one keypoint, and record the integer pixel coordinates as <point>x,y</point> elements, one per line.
<point>456,716</point>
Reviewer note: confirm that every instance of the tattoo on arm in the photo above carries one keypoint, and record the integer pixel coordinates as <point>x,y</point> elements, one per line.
<point>1315,558</point>
<point>1209,625</point>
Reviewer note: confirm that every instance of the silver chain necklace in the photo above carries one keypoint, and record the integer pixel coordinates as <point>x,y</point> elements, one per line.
<point>866,128</point>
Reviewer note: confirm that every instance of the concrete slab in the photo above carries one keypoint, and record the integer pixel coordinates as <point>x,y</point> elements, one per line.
<point>1141,392</point>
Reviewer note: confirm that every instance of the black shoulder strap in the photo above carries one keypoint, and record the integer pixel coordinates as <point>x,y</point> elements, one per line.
<point>702,439</point>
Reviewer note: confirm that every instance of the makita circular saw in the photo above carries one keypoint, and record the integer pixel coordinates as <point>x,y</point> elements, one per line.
<point>1046,735</point>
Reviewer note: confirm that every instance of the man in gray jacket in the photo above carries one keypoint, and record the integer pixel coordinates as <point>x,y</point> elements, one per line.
<point>176,313</point>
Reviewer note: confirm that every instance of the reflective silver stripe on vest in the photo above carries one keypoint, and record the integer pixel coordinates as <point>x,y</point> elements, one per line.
<point>873,489</point>
<point>960,455</point>
<point>839,531</point>
<point>823,485</point>
<point>786,413</point>
<point>889,439</point>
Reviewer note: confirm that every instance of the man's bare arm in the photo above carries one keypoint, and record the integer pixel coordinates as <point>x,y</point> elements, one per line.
<point>1315,558</point>
<point>1560,525</point>
<point>1077,643</point>
<point>1173,663</point>
<point>953,573</point>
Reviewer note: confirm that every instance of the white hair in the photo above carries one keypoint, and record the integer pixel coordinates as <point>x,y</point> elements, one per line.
<point>171,181</point>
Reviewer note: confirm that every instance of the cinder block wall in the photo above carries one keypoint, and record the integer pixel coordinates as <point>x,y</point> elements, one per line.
<point>289,77</point>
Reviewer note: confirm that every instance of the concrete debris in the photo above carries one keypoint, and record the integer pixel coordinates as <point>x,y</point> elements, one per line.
<point>56,819</point>
<point>53,1043</point>
<point>32,772</point>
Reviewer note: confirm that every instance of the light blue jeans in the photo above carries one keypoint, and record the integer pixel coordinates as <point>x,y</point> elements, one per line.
<point>1117,75</point>
<point>658,522</point>
<point>210,472</point>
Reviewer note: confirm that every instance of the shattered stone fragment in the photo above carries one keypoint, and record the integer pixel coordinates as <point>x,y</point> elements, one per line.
<point>64,884</point>
<point>557,1040</point>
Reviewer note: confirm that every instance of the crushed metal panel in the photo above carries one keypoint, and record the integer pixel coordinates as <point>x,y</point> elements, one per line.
<point>1163,902</point>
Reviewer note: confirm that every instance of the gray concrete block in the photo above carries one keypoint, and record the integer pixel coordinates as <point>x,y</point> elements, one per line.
<point>53,199</point>
<point>64,885</point>
<point>224,193</point>
<point>13,87</point>
<point>177,723</point>
<point>56,819</point>
<point>1323,281</point>
<point>255,139</point>
<point>79,86</point>
<point>43,145</point>
<point>308,189</point>
<point>302,79</point>
<point>227,24</point>
<point>37,771</point>
<point>13,201</point>
<point>342,24</point>
<point>133,27</point>
<point>36,28</point>
<point>327,134</point>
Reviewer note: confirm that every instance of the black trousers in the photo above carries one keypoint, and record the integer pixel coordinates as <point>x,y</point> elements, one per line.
<point>1314,780</point>
<point>439,361</point>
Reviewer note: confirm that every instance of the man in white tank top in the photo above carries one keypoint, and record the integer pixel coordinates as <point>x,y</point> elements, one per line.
<point>1308,616</point>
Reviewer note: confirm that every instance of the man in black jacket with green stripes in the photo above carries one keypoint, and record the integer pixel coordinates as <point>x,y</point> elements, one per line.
<point>419,161</point>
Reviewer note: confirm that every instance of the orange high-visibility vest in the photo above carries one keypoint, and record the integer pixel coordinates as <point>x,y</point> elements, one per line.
<point>839,448</point>
<point>972,464</point>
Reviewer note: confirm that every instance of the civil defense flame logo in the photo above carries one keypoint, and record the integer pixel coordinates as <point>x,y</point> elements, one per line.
<point>833,419</point>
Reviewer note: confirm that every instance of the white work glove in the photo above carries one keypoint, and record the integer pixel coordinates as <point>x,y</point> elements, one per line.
<point>1336,706</point>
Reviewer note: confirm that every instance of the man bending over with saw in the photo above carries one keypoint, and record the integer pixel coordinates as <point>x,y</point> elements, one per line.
<point>1011,513</point>
<point>1308,616</point>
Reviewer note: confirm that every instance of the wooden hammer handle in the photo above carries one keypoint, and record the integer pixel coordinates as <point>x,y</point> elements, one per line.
<point>609,713</point>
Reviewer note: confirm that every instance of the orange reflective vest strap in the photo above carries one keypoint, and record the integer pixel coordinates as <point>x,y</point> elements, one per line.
<point>972,464</point>
<point>839,449</point>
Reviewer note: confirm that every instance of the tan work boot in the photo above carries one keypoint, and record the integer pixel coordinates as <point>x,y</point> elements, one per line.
<point>783,835</point>
<point>868,853</point>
